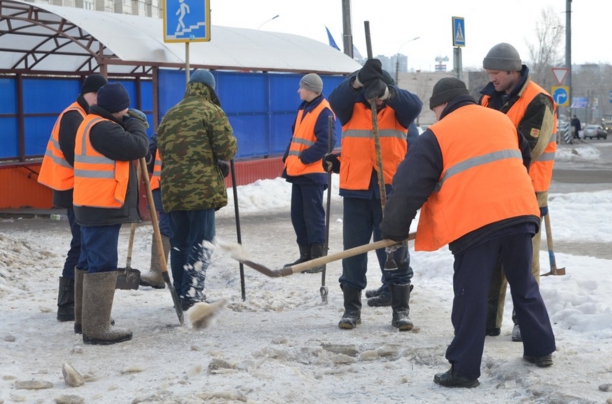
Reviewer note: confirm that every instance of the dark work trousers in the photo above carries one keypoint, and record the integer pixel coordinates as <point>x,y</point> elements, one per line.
<point>307,213</point>
<point>473,270</point>
<point>164,219</point>
<point>189,259</point>
<point>99,248</point>
<point>72,258</point>
<point>361,220</point>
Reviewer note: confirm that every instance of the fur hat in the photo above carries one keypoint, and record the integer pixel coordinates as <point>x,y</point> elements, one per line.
<point>504,57</point>
<point>312,82</point>
<point>203,76</point>
<point>93,83</point>
<point>445,90</point>
<point>113,97</point>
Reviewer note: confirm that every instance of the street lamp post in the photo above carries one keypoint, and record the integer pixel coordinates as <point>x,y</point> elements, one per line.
<point>397,59</point>
<point>267,21</point>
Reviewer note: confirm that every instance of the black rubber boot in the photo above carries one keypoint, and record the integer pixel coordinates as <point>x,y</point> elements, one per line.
<point>316,251</point>
<point>65,299</point>
<point>98,294</point>
<point>400,298</point>
<point>78,299</point>
<point>304,256</point>
<point>352,308</point>
<point>370,293</point>
<point>383,299</point>
<point>450,379</point>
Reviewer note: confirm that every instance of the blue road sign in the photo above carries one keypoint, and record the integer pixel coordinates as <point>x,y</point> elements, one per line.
<point>186,20</point>
<point>458,31</point>
<point>610,97</point>
<point>560,96</point>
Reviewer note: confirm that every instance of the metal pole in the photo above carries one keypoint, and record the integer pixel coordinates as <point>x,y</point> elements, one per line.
<point>568,50</point>
<point>186,63</point>
<point>347,36</point>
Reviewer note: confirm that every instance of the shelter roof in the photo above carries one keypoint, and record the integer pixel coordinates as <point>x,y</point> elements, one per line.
<point>41,38</point>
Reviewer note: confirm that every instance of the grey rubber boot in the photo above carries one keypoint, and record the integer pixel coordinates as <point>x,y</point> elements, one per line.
<point>316,251</point>
<point>304,256</point>
<point>78,299</point>
<point>352,308</point>
<point>98,294</point>
<point>153,277</point>
<point>400,297</point>
<point>65,299</point>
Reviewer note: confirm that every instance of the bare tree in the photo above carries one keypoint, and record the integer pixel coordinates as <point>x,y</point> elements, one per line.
<point>545,52</point>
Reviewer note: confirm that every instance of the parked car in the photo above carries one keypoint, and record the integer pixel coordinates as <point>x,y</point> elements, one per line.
<point>594,131</point>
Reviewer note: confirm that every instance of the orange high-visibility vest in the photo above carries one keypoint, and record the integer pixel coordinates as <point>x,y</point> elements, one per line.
<point>303,138</point>
<point>541,169</point>
<point>98,181</point>
<point>55,171</point>
<point>481,182</point>
<point>156,176</point>
<point>358,150</point>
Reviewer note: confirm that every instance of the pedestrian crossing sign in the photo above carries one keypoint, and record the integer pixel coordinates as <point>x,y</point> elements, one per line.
<point>458,31</point>
<point>186,20</point>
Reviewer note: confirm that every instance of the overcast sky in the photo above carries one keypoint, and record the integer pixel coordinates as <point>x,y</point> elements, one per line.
<point>395,22</point>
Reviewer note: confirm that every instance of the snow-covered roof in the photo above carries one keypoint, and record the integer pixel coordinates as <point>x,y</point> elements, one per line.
<point>40,38</point>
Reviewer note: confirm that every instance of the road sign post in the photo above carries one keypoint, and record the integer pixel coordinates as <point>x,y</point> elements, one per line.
<point>186,21</point>
<point>560,95</point>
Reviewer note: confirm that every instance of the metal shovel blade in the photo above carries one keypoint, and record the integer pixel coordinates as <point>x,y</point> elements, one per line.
<point>128,279</point>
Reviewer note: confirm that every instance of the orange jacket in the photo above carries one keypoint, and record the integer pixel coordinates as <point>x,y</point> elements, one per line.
<point>358,156</point>
<point>541,168</point>
<point>303,138</point>
<point>55,171</point>
<point>155,178</point>
<point>482,182</point>
<point>98,181</point>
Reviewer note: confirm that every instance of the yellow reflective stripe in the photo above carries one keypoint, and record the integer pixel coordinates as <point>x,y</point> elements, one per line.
<point>548,156</point>
<point>475,162</point>
<point>361,133</point>
<point>82,173</point>
<point>300,140</point>
<point>57,160</point>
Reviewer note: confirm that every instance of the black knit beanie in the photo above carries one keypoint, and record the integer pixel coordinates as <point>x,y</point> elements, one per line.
<point>445,90</point>
<point>113,97</point>
<point>93,83</point>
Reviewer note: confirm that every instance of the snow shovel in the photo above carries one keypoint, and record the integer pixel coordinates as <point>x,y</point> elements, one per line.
<point>292,269</point>
<point>128,277</point>
<point>158,241</point>
<point>330,146</point>
<point>551,253</point>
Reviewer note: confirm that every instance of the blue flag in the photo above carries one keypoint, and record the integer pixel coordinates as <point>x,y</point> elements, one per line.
<point>332,43</point>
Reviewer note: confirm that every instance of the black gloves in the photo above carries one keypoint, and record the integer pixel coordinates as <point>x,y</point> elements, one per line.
<point>375,89</point>
<point>331,162</point>
<point>224,167</point>
<point>371,70</point>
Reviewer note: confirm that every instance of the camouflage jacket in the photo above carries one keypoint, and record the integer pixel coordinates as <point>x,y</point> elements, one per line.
<point>193,135</point>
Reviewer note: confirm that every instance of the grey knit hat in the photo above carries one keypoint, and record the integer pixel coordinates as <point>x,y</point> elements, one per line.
<point>312,82</point>
<point>504,57</point>
<point>203,76</point>
<point>445,90</point>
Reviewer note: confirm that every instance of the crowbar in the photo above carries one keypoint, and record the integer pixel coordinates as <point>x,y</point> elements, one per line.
<point>301,267</point>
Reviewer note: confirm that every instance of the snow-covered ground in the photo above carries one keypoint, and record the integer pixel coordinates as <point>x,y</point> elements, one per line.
<point>282,345</point>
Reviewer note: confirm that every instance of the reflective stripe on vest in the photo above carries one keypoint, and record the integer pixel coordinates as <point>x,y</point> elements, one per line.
<point>303,138</point>
<point>55,171</point>
<point>541,169</point>
<point>98,181</point>
<point>358,149</point>
<point>481,182</point>
<point>156,177</point>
